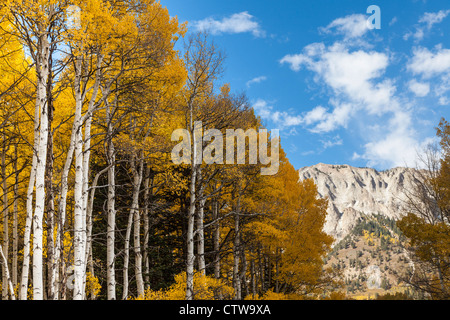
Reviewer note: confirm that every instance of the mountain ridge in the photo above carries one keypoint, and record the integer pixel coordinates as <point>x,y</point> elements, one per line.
<point>354,192</point>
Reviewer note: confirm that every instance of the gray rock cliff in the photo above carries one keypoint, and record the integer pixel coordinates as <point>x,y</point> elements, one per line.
<point>358,191</point>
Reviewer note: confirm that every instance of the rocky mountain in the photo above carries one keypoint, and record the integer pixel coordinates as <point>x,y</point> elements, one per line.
<point>355,192</point>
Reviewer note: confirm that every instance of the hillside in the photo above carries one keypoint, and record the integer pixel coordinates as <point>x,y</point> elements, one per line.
<point>372,258</point>
<point>363,206</point>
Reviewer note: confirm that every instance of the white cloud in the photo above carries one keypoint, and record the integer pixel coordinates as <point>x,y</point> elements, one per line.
<point>359,89</point>
<point>351,26</point>
<point>431,18</point>
<point>419,34</point>
<point>444,101</point>
<point>255,80</point>
<point>356,156</point>
<point>263,109</point>
<point>420,89</point>
<point>398,147</point>
<point>354,77</point>
<point>280,118</point>
<point>442,88</point>
<point>428,64</point>
<point>335,141</point>
<point>317,114</point>
<point>393,21</point>
<point>426,23</point>
<point>295,61</point>
<point>339,117</point>
<point>433,66</point>
<point>242,22</point>
<point>307,153</point>
<point>285,119</point>
<point>351,75</point>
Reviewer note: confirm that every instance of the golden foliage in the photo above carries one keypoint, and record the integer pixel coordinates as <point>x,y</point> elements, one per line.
<point>93,286</point>
<point>206,288</point>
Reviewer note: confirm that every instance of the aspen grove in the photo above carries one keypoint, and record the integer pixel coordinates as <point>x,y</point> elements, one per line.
<point>93,207</point>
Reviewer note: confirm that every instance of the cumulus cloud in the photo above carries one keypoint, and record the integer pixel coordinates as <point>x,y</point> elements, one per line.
<point>242,22</point>
<point>420,89</point>
<point>351,26</point>
<point>358,88</point>
<point>317,114</point>
<point>442,88</point>
<point>282,119</point>
<point>295,61</point>
<point>398,147</point>
<point>335,141</point>
<point>434,67</point>
<point>339,117</point>
<point>427,63</point>
<point>431,18</point>
<point>353,77</point>
<point>263,109</point>
<point>426,23</point>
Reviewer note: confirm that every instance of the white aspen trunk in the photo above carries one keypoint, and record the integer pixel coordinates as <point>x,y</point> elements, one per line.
<point>190,259</point>
<point>89,224</point>
<point>216,239</point>
<point>129,225</point>
<point>201,239</point>
<point>43,72</point>
<point>86,159</point>
<point>111,229</point>
<point>65,173</point>
<point>137,180</point>
<point>51,263</point>
<point>253,278</point>
<point>190,256</point>
<point>15,247</point>
<point>146,227</point>
<point>82,156</point>
<point>38,217</point>
<point>85,192</point>
<point>5,220</point>
<point>79,226</point>
<point>50,204</point>
<point>59,242</point>
<point>23,292</point>
<point>126,259</point>
<point>111,211</point>
<point>236,253</point>
<point>79,223</point>
<point>8,283</point>
<point>200,231</point>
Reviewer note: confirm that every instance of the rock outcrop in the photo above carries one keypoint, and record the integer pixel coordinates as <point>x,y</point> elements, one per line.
<point>353,192</point>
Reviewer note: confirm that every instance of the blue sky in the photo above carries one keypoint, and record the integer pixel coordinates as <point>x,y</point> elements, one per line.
<point>338,91</point>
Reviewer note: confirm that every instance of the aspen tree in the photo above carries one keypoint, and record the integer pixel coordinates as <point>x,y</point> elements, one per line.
<point>203,63</point>
<point>426,224</point>
<point>42,16</point>
<point>89,40</point>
